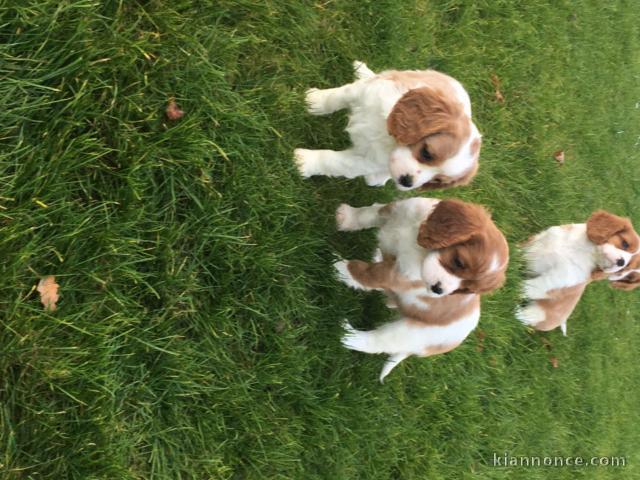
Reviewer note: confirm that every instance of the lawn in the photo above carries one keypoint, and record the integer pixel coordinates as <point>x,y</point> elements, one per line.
<point>197,333</point>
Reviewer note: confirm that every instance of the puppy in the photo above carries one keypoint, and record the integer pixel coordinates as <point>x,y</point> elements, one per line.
<point>412,126</point>
<point>437,257</point>
<point>564,259</point>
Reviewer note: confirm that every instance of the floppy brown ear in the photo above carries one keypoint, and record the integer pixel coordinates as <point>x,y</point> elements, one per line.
<point>602,225</point>
<point>622,285</point>
<point>629,282</point>
<point>450,223</point>
<point>491,282</point>
<point>422,112</point>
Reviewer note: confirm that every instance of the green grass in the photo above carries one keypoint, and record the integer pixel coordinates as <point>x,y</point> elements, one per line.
<point>198,331</point>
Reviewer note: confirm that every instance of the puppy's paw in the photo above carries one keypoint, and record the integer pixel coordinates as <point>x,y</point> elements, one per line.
<point>344,275</point>
<point>316,102</point>
<point>346,218</point>
<point>353,339</point>
<point>361,70</point>
<point>377,179</point>
<point>305,161</point>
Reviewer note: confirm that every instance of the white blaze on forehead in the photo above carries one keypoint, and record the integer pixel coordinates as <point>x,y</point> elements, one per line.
<point>496,263</point>
<point>404,163</point>
<point>612,254</point>
<point>434,273</point>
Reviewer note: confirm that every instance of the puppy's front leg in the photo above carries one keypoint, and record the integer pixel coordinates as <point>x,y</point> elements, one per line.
<point>350,218</point>
<point>346,163</point>
<point>366,276</point>
<point>329,100</point>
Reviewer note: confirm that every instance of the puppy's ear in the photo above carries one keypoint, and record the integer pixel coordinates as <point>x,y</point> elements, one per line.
<point>491,282</point>
<point>450,223</point>
<point>422,112</point>
<point>624,285</point>
<point>629,282</point>
<point>603,225</point>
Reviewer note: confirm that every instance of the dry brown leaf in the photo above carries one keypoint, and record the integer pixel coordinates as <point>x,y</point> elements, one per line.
<point>554,362</point>
<point>559,156</point>
<point>496,83</point>
<point>48,289</point>
<point>480,340</point>
<point>173,112</point>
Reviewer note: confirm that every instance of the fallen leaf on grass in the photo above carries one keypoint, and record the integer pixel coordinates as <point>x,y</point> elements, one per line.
<point>173,112</point>
<point>496,83</point>
<point>554,362</point>
<point>48,289</point>
<point>559,156</point>
<point>480,337</point>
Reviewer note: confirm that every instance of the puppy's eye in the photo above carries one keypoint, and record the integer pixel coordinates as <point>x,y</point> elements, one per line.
<point>425,156</point>
<point>625,245</point>
<point>458,263</point>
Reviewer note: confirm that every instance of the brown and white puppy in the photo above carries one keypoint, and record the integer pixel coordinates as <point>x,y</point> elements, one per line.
<point>437,257</point>
<point>412,126</point>
<point>564,259</point>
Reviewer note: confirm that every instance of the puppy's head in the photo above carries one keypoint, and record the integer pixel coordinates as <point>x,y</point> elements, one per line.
<point>629,277</point>
<point>437,143</point>
<point>615,238</point>
<point>466,251</point>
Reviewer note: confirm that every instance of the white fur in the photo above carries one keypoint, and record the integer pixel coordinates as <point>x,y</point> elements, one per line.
<point>374,153</point>
<point>532,314</point>
<point>397,236</point>
<point>349,218</point>
<point>495,264</point>
<point>563,256</point>
<point>401,339</point>
<point>412,298</point>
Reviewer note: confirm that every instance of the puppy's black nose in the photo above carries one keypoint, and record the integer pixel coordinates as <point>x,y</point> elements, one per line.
<point>406,181</point>
<point>437,289</point>
<point>620,262</point>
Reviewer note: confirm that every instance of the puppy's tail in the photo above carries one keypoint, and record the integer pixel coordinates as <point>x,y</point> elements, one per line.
<point>371,342</point>
<point>391,363</point>
<point>361,70</point>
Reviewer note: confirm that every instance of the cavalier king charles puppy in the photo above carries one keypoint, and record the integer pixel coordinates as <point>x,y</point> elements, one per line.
<point>412,126</point>
<point>436,258</point>
<point>563,260</point>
